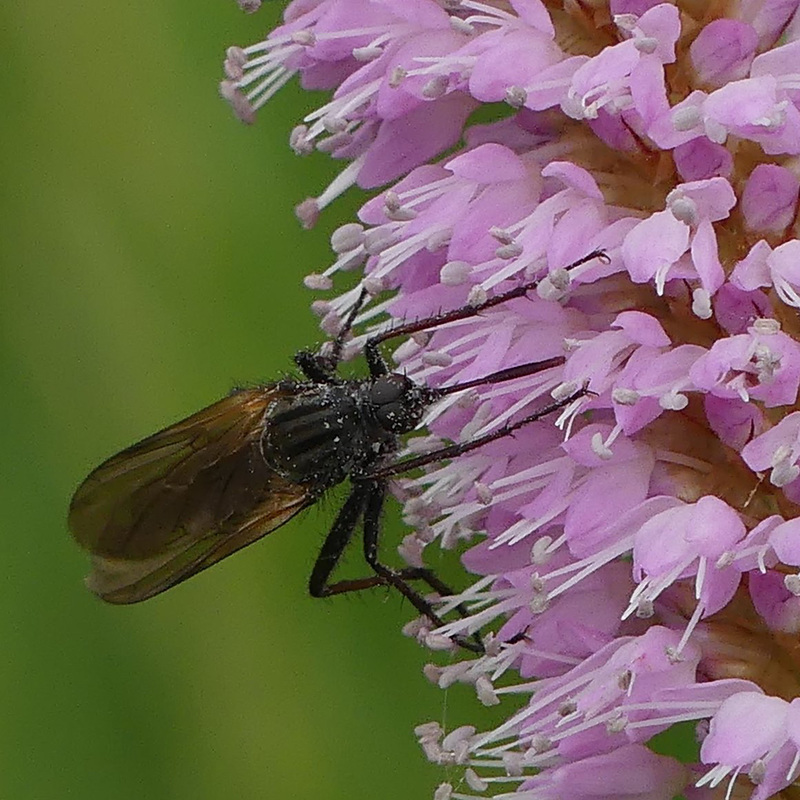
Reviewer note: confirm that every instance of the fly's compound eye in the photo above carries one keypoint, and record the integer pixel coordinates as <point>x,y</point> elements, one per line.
<point>398,403</point>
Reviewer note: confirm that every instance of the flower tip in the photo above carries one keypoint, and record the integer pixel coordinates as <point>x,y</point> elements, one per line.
<point>300,141</point>
<point>516,96</point>
<point>233,66</point>
<point>443,792</point>
<point>307,212</point>
<point>485,691</point>
<point>238,102</point>
<point>347,237</point>
<point>373,286</point>
<point>321,308</point>
<point>249,6</point>
<point>701,303</point>
<point>792,584</point>
<point>474,781</point>
<point>317,282</point>
<point>554,286</point>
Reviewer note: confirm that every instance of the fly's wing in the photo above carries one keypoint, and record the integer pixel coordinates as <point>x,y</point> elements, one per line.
<point>182,499</point>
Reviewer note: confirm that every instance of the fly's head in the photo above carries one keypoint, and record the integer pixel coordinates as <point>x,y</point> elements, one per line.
<point>398,403</point>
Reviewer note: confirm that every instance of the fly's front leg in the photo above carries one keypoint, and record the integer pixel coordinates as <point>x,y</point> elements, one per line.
<point>465,312</point>
<point>459,448</point>
<point>321,368</point>
<point>376,362</point>
<point>315,367</point>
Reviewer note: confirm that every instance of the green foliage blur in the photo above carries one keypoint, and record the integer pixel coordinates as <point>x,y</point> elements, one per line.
<point>150,261</point>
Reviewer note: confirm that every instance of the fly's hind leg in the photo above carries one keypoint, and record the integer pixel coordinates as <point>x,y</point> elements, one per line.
<point>399,578</point>
<point>366,500</point>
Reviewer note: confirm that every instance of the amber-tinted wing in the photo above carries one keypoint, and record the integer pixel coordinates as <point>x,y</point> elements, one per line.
<point>182,499</point>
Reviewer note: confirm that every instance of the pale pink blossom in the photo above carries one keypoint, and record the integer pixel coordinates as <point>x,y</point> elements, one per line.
<point>635,555</point>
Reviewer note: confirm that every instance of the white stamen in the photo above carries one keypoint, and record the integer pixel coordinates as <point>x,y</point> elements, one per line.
<point>625,397</point>
<point>684,119</point>
<point>454,273</point>
<point>766,326</point>
<point>792,584</point>
<point>599,447</point>
<point>317,282</point>
<point>367,53</point>
<point>444,791</point>
<point>474,781</point>
<point>485,691</point>
<point>701,303</point>
<point>646,44</point>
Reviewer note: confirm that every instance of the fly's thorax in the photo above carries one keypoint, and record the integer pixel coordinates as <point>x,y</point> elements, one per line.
<point>318,434</point>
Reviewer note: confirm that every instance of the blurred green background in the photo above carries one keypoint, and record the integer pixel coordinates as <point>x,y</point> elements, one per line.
<point>150,260</point>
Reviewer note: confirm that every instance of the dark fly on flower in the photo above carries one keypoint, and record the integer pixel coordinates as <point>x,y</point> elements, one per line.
<point>188,496</point>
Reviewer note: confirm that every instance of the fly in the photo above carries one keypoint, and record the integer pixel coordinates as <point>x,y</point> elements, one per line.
<point>186,497</point>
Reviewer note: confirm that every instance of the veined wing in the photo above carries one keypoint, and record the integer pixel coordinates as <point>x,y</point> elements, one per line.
<point>182,499</point>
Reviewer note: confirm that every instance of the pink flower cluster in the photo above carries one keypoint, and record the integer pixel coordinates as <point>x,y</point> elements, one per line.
<point>638,555</point>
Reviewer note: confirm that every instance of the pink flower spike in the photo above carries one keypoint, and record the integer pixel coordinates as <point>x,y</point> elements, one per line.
<point>612,442</point>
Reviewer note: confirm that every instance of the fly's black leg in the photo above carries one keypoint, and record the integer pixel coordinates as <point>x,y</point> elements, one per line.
<point>372,352</point>
<point>335,544</point>
<point>337,345</point>
<point>373,492</point>
<point>322,368</point>
<point>508,374</point>
<point>366,499</point>
<point>399,578</point>
<point>455,450</point>
<point>315,367</point>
